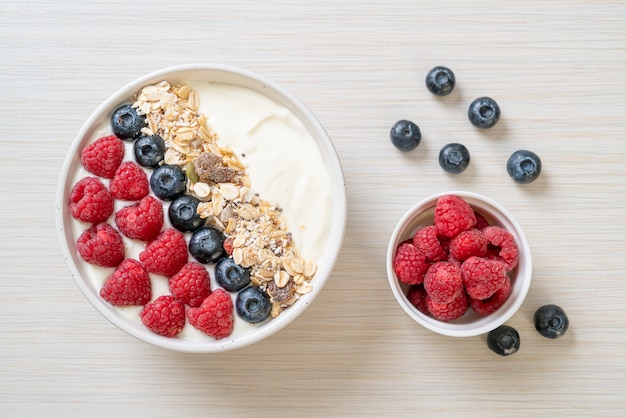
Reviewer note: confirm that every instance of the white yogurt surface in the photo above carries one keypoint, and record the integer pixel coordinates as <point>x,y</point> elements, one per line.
<point>284,166</point>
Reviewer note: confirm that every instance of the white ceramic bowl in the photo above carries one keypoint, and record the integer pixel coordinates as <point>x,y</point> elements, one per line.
<point>219,74</point>
<point>470,324</point>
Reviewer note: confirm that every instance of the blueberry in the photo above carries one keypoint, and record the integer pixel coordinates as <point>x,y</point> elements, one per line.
<point>440,81</point>
<point>484,113</point>
<point>183,213</point>
<point>524,166</point>
<point>207,245</point>
<point>230,275</point>
<point>253,305</point>
<point>454,158</point>
<point>503,340</point>
<point>149,150</point>
<point>551,321</point>
<point>126,123</point>
<point>405,135</point>
<point>168,182</point>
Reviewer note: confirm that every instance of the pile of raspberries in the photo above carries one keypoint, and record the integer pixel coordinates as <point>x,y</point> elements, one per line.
<point>457,263</point>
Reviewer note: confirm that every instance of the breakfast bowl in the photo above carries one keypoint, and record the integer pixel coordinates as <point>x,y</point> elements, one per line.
<point>412,297</point>
<point>265,186</point>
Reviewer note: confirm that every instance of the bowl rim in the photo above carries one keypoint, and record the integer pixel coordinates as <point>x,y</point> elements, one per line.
<point>336,232</point>
<point>483,324</point>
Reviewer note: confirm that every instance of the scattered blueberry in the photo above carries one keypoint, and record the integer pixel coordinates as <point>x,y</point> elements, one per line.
<point>230,275</point>
<point>253,305</point>
<point>183,213</point>
<point>524,166</point>
<point>440,81</point>
<point>207,245</point>
<point>405,135</point>
<point>454,158</point>
<point>551,321</point>
<point>168,182</point>
<point>149,150</point>
<point>126,123</point>
<point>484,113</point>
<point>503,340</point>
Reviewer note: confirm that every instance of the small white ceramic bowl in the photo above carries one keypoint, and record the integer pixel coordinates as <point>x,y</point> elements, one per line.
<point>217,74</point>
<point>470,324</point>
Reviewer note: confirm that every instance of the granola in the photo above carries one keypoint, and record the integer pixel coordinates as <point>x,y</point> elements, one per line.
<point>217,177</point>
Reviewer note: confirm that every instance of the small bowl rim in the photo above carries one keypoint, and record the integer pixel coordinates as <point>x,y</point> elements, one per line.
<point>336,232</point>
<point>482,325</point>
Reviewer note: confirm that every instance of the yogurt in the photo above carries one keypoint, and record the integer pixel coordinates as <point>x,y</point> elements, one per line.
<point>284,166</point>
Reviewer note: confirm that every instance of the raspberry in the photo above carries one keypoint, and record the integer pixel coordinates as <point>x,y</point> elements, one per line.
<point>492,303</point>
<point>468,243</point>
<point>443,282</point>
<point>129,285</point>
<point>448,311</point>
<point>214,316</point>
<point>141,221</point>
<point>103,156</point>
<point>101,245</point>
<point>453,215</point>
<point>410,264</point>
<point>192,284</point>
<point>427,240</point>
<point>481,221</point>
<point>90,201</point>
<point>130,182</point>
<point>164,316</point>
<point>502,246</point>
<point>166,254</point>
<point>482,277</point>
<point>228,245</point>
<point>417,297</point>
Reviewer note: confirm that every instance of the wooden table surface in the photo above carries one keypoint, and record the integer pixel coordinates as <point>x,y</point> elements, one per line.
<point>558,71</point>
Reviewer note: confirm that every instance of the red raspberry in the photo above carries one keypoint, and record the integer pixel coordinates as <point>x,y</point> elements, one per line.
<point>502,246</point>
<point>130,182</point>
<point>443,282</point>
<point>129,285</point>
<point>228,245</point>
<point>410,264</point>
<point>90,201</point>
<point>481,221</point>
<point>492,303</point>
<point>141,221</point>
<point>192,284</point>
<point>166,254</point>
<point>417,297</point>
<point>215,315</point>
<point>468,243</point>
<point>453,215</point>
<point>103,156</point>
<point>101,245</point>
<point>448,311</point>
<point>482,277</point>
<point>427,240</point>
<point>164,316</point>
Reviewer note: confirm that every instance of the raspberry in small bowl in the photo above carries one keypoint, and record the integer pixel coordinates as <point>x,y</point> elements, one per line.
<point>459,264</point>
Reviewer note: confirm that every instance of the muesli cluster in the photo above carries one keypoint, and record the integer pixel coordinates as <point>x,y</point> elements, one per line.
<point>216,176</point>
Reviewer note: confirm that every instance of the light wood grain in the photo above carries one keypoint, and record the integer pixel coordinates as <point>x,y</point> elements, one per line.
<point>558,70</point>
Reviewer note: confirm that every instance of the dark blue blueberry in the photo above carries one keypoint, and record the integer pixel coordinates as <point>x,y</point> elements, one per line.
<point>149,150</point>
<point>551,321</point>
<point>126,123</point>
<point>405,135</point>
<point>230,275</point>
<point>168,182</point>
<point>440,81</point>
<point>503,340</point>
<point>183,213</point>
<point>207,245</point>
<point>253,305</point>
<point>454,158</point>
<point>484,113</point>
<point>524,166</point>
